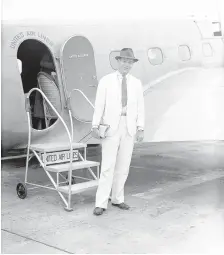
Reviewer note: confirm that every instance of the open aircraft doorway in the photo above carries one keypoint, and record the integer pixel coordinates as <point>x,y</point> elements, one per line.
<point>38,71</point>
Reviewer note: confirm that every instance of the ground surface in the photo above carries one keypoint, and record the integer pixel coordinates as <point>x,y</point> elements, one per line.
<point>176,194</point>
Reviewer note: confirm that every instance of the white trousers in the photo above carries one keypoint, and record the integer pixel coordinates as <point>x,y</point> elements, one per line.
<point>116,157</point>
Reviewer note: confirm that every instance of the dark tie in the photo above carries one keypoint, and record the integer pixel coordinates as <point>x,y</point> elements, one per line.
<point>124,91</point>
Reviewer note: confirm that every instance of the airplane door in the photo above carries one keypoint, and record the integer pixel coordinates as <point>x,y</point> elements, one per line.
<point>79,72</point>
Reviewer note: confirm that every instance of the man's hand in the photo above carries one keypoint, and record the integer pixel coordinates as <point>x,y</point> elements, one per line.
<point>140,135</point>
<point>95,133</point>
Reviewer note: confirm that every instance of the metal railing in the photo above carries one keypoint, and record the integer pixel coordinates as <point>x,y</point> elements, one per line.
<point>28,111</point>
<point>70,115</point>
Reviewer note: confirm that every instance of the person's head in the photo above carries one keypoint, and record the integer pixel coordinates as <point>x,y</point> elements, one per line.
<point>125,60</point>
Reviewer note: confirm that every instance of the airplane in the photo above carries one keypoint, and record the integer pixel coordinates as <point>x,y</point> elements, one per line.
<point>181,69</point>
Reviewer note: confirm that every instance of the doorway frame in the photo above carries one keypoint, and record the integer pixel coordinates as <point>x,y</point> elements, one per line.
<point>57,70</point>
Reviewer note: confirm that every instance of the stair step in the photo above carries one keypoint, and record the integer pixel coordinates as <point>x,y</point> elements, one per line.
<point>75,165</point>
<point>51,147</point>
<point>79,187</point>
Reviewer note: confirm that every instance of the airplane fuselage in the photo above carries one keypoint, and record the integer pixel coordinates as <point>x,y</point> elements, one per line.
<point>175,57</point>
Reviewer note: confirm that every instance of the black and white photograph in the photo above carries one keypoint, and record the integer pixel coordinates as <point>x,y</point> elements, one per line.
<point>112,127</point>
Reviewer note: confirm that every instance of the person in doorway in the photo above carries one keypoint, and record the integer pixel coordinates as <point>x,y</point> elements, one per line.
<point>120,105</point>
<point>47,66</point>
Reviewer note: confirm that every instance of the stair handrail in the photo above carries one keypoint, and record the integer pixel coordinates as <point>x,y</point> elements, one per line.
<point>69,109</point>
<point>27,106</point>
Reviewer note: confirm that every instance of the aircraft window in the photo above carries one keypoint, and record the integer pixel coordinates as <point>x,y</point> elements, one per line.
<point>207,49</point>
<point>155,56</point>
<point>184,52</point>
<point>217,30</point>
<point>113,61</point>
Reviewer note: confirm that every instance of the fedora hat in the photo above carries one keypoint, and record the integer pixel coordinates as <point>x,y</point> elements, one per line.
<point>127,53</point>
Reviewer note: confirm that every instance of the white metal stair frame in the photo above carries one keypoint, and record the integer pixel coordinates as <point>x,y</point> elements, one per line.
<point>39,150</point>
<point>70,113</point>
<point>71,121</point>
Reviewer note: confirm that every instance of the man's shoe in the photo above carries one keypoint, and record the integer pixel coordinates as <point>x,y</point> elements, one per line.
<point>122,206</point>
<point>98,211</point>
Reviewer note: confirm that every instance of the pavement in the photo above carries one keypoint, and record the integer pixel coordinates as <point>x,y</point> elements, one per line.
<point>175,190</point>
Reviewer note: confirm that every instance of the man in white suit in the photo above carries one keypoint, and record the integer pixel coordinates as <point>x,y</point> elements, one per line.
<point>119,104</point>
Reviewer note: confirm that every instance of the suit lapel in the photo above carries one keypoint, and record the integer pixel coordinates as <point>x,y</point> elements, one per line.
<point>117,86</point>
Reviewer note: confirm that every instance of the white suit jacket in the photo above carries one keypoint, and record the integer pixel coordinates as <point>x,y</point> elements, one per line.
<point>108,104</point>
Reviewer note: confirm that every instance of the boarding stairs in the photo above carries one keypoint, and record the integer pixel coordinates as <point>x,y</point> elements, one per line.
<point>59,161</point>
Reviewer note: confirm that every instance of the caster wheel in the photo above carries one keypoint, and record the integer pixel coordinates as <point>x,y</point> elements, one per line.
<point>21,190</point>
<point>68,209</point>
<point>73,180</point>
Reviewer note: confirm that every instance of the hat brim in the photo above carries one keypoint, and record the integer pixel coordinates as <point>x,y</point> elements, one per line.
<point>134,59</point>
